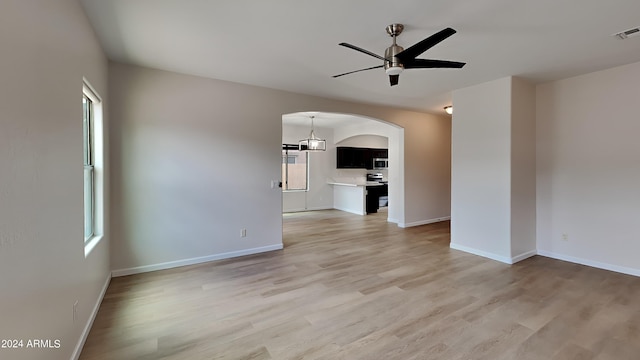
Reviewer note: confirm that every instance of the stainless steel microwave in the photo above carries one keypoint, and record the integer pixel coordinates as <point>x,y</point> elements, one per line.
<point>380,163</point>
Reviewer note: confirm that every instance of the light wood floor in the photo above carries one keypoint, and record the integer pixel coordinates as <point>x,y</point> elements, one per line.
<point>357,287</point>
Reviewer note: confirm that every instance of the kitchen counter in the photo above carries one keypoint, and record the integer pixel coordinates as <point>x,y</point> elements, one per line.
<point>367,183</point>
<point>349,197</point>
<point>354,196</point>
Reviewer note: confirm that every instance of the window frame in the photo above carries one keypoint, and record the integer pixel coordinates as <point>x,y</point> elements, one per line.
<point>285,154</point>
<point>93,158</point>
<point>89,166</point>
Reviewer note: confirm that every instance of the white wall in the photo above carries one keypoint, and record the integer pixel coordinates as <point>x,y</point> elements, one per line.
<point>427,170</point>
<point>588,168</point>
<point>47,47</point>
<point>493,187</point>
<point>481,171</point>
<point>178,194</point>
<point>192,166</point>
<point>366,141</point>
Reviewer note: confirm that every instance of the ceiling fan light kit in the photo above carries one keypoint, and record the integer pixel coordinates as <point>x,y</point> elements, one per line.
<point>395,70</point>
<point>396,58</point>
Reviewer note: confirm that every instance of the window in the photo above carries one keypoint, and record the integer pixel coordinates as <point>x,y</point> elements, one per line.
<point>89,169</point>
<point>93,161</point>
<point>295,168</point>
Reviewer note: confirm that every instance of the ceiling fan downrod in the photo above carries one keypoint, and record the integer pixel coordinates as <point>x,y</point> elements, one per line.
<point>393,66</point>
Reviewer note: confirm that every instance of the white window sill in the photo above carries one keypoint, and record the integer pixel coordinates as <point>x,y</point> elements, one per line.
<point>91,244</point>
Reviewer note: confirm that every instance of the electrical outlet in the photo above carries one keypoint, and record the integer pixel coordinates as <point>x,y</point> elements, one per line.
<point>75,311</point>
<point>565,237</point>
<point>243,232</point>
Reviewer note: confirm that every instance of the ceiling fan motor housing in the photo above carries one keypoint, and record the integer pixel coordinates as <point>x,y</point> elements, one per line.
<point>393,66</point>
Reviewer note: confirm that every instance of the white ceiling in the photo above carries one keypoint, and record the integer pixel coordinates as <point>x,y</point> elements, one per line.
<point>323,119</point>
<point>293,44</point>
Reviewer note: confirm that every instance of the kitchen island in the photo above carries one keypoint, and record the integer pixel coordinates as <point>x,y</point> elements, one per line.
<point>355,197</point>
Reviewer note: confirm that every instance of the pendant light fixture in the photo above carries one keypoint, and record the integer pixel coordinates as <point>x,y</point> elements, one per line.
<point>312,143</point>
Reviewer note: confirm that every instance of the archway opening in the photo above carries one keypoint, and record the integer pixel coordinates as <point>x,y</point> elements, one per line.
<point>323,173</point>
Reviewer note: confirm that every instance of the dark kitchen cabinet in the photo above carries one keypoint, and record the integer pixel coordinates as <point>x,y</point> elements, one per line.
<point>373,194</point>
<point>358,158</point>
<point>379,153</point>
<point>352,157</point>
<point>384,190</point>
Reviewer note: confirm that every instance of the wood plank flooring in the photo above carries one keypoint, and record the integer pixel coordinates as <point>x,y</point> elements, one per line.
<point>357,287</point>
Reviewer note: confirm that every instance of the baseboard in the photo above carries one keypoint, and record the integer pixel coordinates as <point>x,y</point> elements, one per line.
<point>192,261</point>
<point>424,222</point>
<point>503,259</point>
<point>320,208</point>
<point>285,211</point>
<point>352,211</point>
<point>523,256</point>
<point>87,328</point>
<point>592,263</point>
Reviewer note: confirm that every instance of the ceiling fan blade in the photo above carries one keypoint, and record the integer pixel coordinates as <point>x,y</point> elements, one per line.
<point>362,51</point>
<point>424,45</point>
<point>355,71</point>
<point>393,79</point>
<point>429,64</point>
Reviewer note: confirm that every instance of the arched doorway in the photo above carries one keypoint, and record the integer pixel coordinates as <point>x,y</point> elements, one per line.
<point>322,171</point>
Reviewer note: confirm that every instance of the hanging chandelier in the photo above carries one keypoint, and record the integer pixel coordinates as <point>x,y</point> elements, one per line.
<point>312,143</point>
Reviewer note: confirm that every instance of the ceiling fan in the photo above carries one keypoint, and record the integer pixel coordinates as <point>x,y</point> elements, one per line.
<point>396,58</point>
